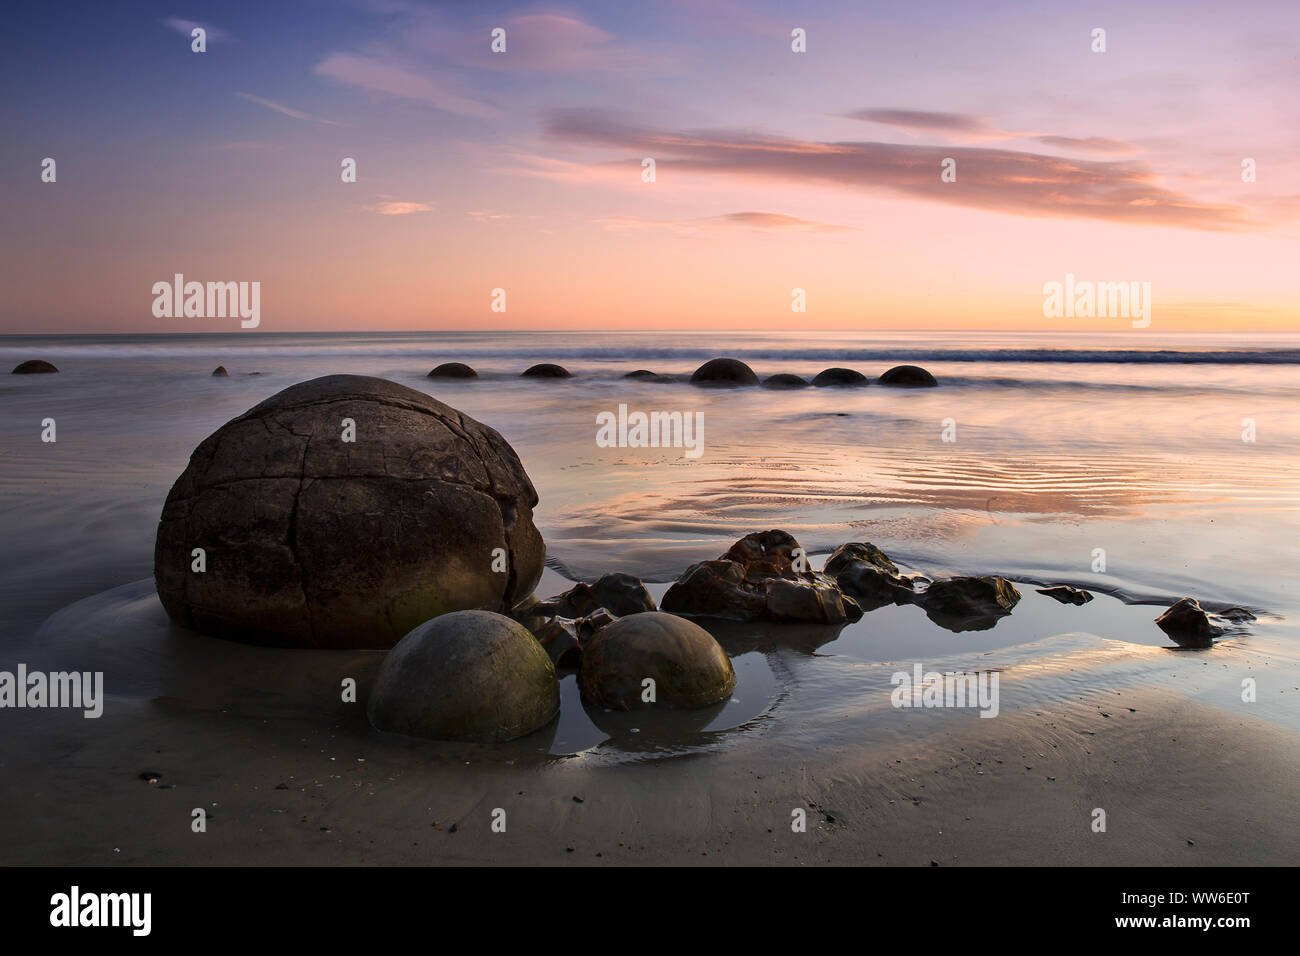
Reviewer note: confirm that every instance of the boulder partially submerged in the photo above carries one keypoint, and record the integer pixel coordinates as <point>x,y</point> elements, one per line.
<point>220,372</point>
<point>688,668</point>
<point>866,574</point>
<point>969,603</point>
<point>908,376</point>
<point>1188,624</point>
<point>452,370</point>
<point>468,675</point>
<point>1067,594</point>
<point>839,378</point>
<point>546,370</point>
<point>724,371</point>
<point>34,367</point>
<point>763,576</point>
<point>784,380</point>
<point>309,539</point>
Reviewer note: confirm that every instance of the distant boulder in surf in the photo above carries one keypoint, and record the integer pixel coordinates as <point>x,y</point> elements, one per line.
<point>468,675</point>
<point>969,604</point>
<point>839,378</point>
<point>546,370</point>
<point>908,376</point>
<point>866,574</point>
<point>641,373</point>
<point>689,668</point>
<point>784,380</point>
<point>34,367</point>
<point>1188,625</point>
<point>452,370</point>
<point>724,371</point>
<point>764,576</point>
<point>341,513</point>
<point>220,372</point>
<point>1067,594</point>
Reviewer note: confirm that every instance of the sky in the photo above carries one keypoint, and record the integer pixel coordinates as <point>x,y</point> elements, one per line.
<point>774,170</point>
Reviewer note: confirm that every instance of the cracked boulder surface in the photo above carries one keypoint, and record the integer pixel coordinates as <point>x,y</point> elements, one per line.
<point>313,541</point>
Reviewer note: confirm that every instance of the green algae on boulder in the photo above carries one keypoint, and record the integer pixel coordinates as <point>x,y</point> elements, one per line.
<point>689,668</point>
<point>311,540</point>
<point>467,675</point>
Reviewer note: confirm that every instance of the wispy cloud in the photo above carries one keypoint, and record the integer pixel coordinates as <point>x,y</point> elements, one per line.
<point>381,73</point>
<point>279,108</point>
<point>968,127</point>
<point>759,221</point>
<point>393,207</point>
<point>186,27</point>
<point>1000,180</point>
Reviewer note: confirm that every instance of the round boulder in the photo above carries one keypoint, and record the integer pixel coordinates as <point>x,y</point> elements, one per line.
<point>690,669</point>
<point>546,370</point>
<point>839,378</point>
<point>724,371</point>
<point>468,675</point>
<point>453,370</point>
<point>641,373</point>
<point>220,372</point>
<point>342,512</point>
<point>34,367</point>
<point>908,376</point>
<point>784,380</point>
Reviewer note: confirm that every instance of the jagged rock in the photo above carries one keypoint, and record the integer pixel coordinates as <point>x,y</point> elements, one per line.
<point>452,370</point>
<point>908,376</point>
<point>312,541</point>
<point>620,594</point>
<point>724,371</point>
<point>969,604</point>
<point>1188,625</point>
<point>1067,594</point>
<point>784,380</point>
<point>546,370</point>
<point>689,668</point>
<point>756,580</point>
<point>866,574</point>
<point>468,675</point>
<point>839,378</point>
<point>34,367</point>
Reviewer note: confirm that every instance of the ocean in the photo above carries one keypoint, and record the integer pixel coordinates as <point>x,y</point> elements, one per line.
<point>1142,466</point>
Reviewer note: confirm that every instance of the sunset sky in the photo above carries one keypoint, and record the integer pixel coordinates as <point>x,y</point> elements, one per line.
<point>774,169</point>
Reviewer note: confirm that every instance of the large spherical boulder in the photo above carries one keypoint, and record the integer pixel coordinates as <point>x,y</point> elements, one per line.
<point>34,367</point>
<point>452,370</point>
<point>468,675</point>
<point>908,376</point>
<point>342,512</point>
<point>784,380</point>
<point>839,378</point>
<point>724,371</point>
<point>546,370</point>
<point>690,669</point>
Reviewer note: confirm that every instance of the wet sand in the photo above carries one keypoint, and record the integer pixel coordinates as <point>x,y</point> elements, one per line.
<point>1182,784</point>
<point>287,773</point>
